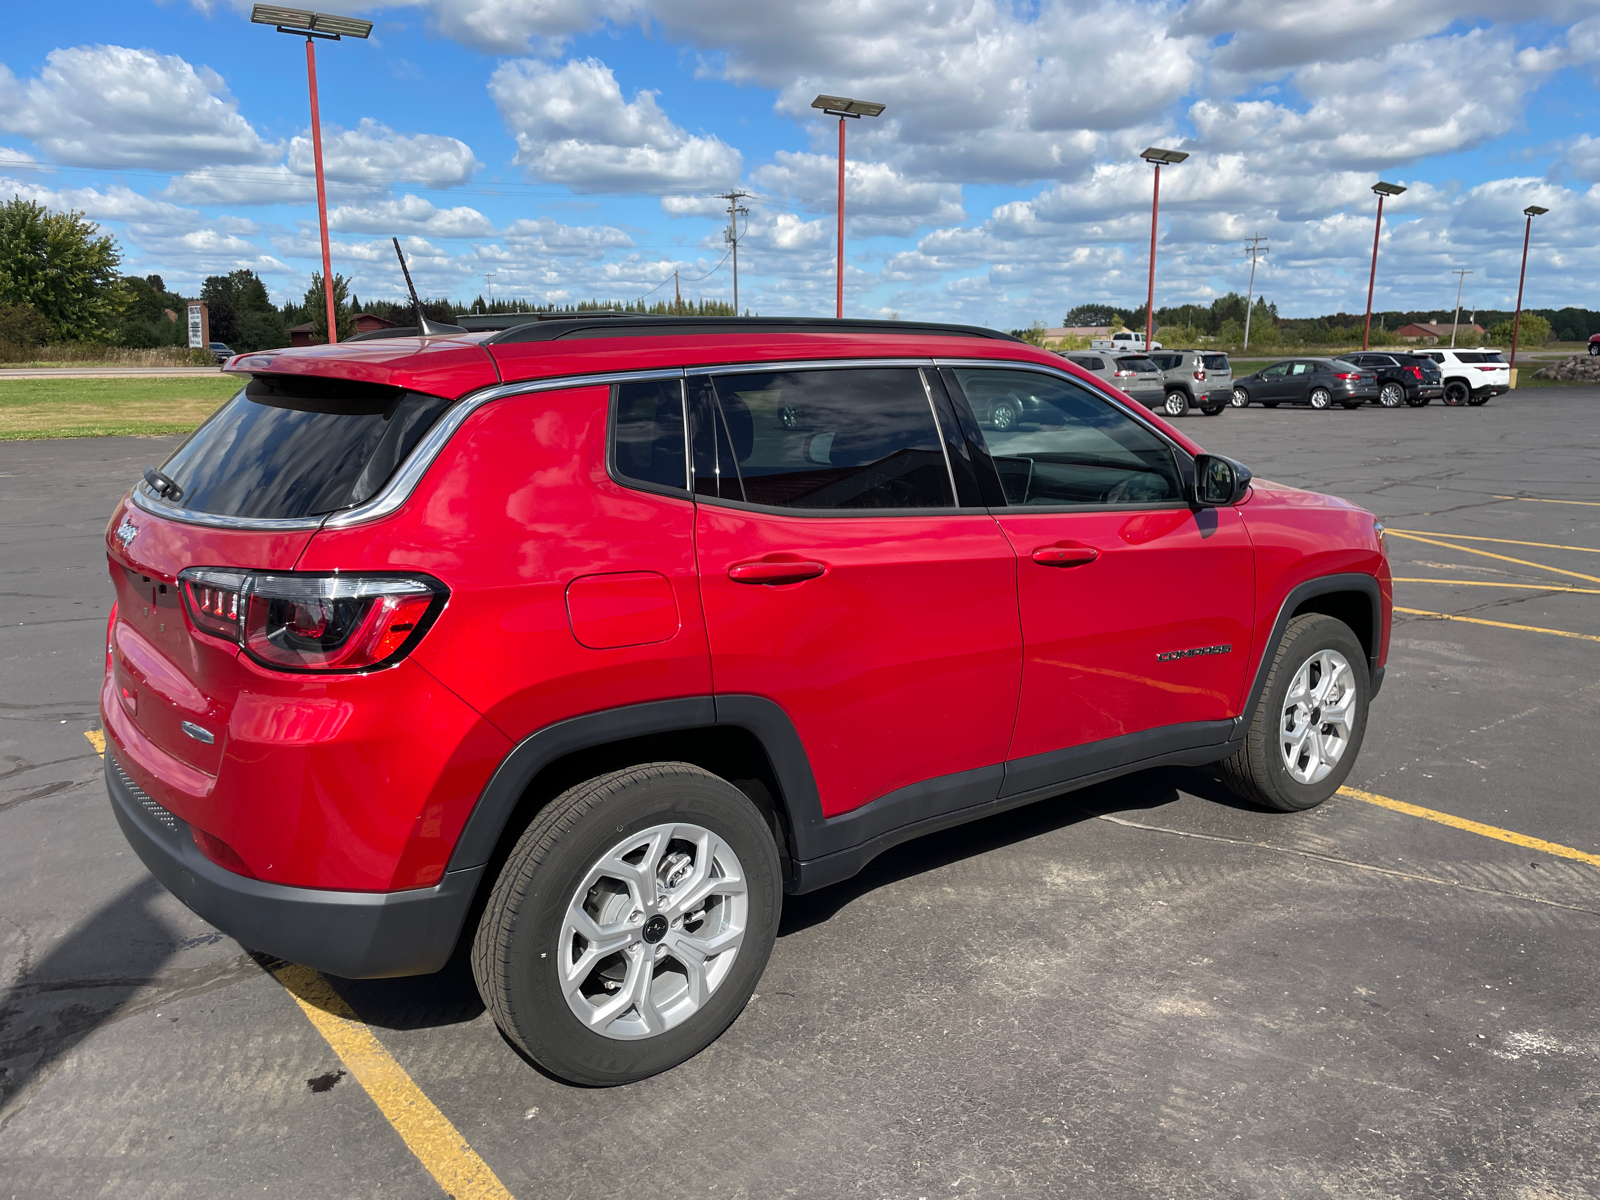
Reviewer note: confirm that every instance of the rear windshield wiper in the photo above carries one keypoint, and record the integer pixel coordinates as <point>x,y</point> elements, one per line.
<point>163,485</point>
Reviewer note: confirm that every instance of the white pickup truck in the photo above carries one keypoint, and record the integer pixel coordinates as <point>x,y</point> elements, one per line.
<point>1125,342</point>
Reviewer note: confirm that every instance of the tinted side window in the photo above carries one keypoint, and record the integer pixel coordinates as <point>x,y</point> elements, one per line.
<point>1277,369</point>
<point>647,437</point>
<point>1214,362</point>
<point>845,439</point>
<point>1071,446</point>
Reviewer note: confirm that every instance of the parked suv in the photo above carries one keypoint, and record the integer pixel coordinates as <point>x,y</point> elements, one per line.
<point>1200,379</point>
<point>1134,374</point>
<point>587,641</point>
<point>1318,382</point>
<point>1402,378</point>
<point>1470,376</point>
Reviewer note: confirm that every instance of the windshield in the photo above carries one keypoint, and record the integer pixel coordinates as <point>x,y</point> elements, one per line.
<point>290,448</point>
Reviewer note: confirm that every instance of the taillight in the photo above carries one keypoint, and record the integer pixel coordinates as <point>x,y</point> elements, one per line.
<point>1123,373</point>
<point>1416,373</point>
<point>1200,374</point>
<point>302,622</point>
<point>1346,375</point>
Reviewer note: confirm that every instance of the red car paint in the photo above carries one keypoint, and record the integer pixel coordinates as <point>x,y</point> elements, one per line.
<point>925,645</point>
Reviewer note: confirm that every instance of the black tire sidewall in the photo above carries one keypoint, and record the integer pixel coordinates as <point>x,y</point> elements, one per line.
<point>1283,790</point>
<point>546,1027</point>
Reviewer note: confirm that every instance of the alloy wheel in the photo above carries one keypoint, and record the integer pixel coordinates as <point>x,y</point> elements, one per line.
<point>1320,398</point>
<point>1456,392</point>
<point>1003,417</point>
<point>1392,395</point>
<point>652,931</point>
<point>1177,404</point>
<point>1241,398</point>
<point>1316,726</point>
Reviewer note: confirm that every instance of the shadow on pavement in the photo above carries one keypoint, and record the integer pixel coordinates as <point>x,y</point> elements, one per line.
<point>84,982</point>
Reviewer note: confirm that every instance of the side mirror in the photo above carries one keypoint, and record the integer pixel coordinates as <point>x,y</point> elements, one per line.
<point>1218,481</point>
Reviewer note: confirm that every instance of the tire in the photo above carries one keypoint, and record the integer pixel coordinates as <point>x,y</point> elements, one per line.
<point>1324,653</point>
<point>1594,348</point>
<point>1212,410</point>
<point>1477,401</point>
<point>1416,401</point>
<point>1456,392</point>
<point>1241,398</point>
<point>576,863</point>
<point>1003,416</point>
<point>1176,404</point>
<point>1320,398</point>
<point>1391,395</point>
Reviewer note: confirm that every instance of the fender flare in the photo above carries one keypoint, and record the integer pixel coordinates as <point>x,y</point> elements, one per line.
<point>1353,581</point>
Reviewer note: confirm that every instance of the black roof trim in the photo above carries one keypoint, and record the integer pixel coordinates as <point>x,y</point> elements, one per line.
<point>631,326</point>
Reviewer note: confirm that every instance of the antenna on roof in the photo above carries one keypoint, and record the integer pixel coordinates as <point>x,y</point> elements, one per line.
<point>425,327</point>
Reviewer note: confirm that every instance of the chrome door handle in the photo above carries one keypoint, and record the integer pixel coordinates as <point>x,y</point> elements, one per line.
<point>1065,556</point>
<point>768,572</point>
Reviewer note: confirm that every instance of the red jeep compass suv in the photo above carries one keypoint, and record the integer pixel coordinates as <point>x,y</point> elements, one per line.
<point>587,640</point>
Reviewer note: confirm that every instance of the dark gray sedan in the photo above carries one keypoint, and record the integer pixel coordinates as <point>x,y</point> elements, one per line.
<point>1317,382</point>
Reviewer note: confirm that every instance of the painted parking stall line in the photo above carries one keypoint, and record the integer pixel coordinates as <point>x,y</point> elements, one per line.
<point>1521,562</point>
<point>1554,849</point>
<point>426,1131</point>
<point>1442,616</point>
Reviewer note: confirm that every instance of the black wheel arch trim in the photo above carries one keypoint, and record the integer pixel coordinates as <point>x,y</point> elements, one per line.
<point>1323,585</point>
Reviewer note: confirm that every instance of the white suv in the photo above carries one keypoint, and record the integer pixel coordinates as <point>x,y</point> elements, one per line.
<point>1470,376</point>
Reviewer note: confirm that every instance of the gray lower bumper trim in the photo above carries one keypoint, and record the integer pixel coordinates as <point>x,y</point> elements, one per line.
<point>356,935</point>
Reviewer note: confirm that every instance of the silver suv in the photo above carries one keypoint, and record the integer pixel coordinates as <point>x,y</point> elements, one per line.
<point>1134,374</point>
<point>1200,379</point>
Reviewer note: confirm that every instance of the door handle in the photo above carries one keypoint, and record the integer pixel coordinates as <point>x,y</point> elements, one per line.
<point>1065,556</point>
<point>768,572</point>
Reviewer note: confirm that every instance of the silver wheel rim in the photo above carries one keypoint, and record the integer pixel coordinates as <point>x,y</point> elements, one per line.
<point>1391,395</point>
<point>1320,399</point>
<point>652,931</point>
<point>1175,405</point>
<point>1240,397</point>
<point>1004,417</point>
<point>1315,728</point>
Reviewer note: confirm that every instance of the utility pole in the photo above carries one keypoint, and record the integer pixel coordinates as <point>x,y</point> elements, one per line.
<point>677,297</point>
<point>732,235</point>
<point>1461,273</point>
<point>488,278</point>
<point>1255,250</point>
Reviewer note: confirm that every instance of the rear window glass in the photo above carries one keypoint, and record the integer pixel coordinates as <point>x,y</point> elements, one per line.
<point>1474,356</point>
<point>1137,362</point>
<point>299,448</point>
<point>1214,362</point>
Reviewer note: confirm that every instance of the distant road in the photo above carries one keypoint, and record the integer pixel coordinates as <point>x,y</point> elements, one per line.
<point>102,372</point>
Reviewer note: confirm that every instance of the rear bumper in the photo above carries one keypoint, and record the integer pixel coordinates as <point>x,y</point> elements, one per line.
<point>356,935</point>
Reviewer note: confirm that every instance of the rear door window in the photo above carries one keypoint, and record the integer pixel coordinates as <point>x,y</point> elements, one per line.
<point>1072,447</point>
<point>295,446</point>
<point>829,440</point>
<point>647,433</point>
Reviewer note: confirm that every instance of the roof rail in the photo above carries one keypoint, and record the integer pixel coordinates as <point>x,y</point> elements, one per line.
<point>556,327</point>
<point>481,322</point>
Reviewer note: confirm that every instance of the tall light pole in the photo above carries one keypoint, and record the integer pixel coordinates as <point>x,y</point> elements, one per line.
<point>1461,274</point>
<point>1532,211</point>
<point>731,235</point>
<point>842,107</point>
<point>1156,158</point>
<point>1255,250</point>
<point>1382,190</point>
<point>310,25</point>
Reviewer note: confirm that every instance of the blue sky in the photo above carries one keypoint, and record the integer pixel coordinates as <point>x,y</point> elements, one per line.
<point>573,148</point>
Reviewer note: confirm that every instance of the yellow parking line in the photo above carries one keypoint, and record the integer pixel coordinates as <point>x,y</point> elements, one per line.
<point>1542,500</point>
<point>97,740</point>
<point>1461,537</point>
<point>1490,831</point>
<point>1521,562</point>
<point>437,1143</point>
<point>1527,587</point>
<point>1422,612</point>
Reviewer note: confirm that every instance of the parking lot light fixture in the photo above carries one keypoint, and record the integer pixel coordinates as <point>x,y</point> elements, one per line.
<point>1157,158</point>
<point>1532,211</point>
<point>844,107</point>
<point>1382,190</point>
<point>301,22</point>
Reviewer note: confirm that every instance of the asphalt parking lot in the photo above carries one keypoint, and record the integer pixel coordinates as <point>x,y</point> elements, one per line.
<point>1140,990</point>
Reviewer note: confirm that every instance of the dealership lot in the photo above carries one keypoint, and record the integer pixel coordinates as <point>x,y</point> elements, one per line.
<point>1142,989</point>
